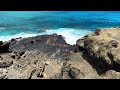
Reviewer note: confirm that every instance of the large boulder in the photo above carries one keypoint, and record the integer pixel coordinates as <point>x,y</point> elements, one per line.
<point>103,46</point>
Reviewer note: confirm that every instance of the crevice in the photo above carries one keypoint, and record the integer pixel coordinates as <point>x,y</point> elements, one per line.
<point>98,64</point>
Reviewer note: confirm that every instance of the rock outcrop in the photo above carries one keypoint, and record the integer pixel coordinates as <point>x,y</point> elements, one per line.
<point>95,56</point>
<point>53,45</point>
<point>103,48</point>
<point>111,74</point>
<point>39,57</point>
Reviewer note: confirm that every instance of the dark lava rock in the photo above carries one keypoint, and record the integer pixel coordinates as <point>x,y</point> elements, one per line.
<point>53,45</point>
<point>4,47</point>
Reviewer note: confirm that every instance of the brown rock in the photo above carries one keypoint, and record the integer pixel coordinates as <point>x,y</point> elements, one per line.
<point>78,68</point>
<point>104,46</point>
<point>111,74</point>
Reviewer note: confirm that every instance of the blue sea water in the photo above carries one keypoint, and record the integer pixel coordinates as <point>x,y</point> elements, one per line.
<point>71,24</point>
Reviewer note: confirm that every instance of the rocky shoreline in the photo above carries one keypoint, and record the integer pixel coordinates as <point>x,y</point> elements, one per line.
<point>95,56</point>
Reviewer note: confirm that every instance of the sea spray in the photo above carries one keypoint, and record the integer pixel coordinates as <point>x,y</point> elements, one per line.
<point>71,35</point>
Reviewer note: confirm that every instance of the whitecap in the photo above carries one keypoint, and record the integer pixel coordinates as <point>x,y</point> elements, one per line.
<point>71,35</point>
<point>23,35</point>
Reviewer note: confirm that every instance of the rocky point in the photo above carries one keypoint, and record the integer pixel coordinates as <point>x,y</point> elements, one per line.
<point>94,56</point>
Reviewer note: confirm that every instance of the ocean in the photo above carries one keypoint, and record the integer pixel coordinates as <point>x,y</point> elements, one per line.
<point>71,24</point>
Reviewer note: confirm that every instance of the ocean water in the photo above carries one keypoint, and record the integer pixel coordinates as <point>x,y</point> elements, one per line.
<point>71,24</point>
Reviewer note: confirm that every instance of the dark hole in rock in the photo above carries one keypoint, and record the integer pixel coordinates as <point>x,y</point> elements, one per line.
<point>21,53</point>
<point>35,62</point>
<point>113,43</point>
<point>114,46</point>
<point>32,42</point>
<point>46,64</point>
<point>41,76</point>
<point>81,49</point>
<point>13,56</point>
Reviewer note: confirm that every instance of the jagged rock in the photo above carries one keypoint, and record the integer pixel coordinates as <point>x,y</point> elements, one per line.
<point>78,68</point>
<point>5,64</point>
<point>104,46</point>
<point>50,57</point>
<point>49,44</point>
<point>111,74</point>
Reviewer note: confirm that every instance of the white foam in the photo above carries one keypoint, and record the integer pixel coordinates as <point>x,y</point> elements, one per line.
<point>23,35</point>
<point>71,35</point>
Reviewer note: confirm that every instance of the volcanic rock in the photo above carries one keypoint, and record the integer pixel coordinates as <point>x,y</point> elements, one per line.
<point>54,45</point>
<point>103,46</point>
